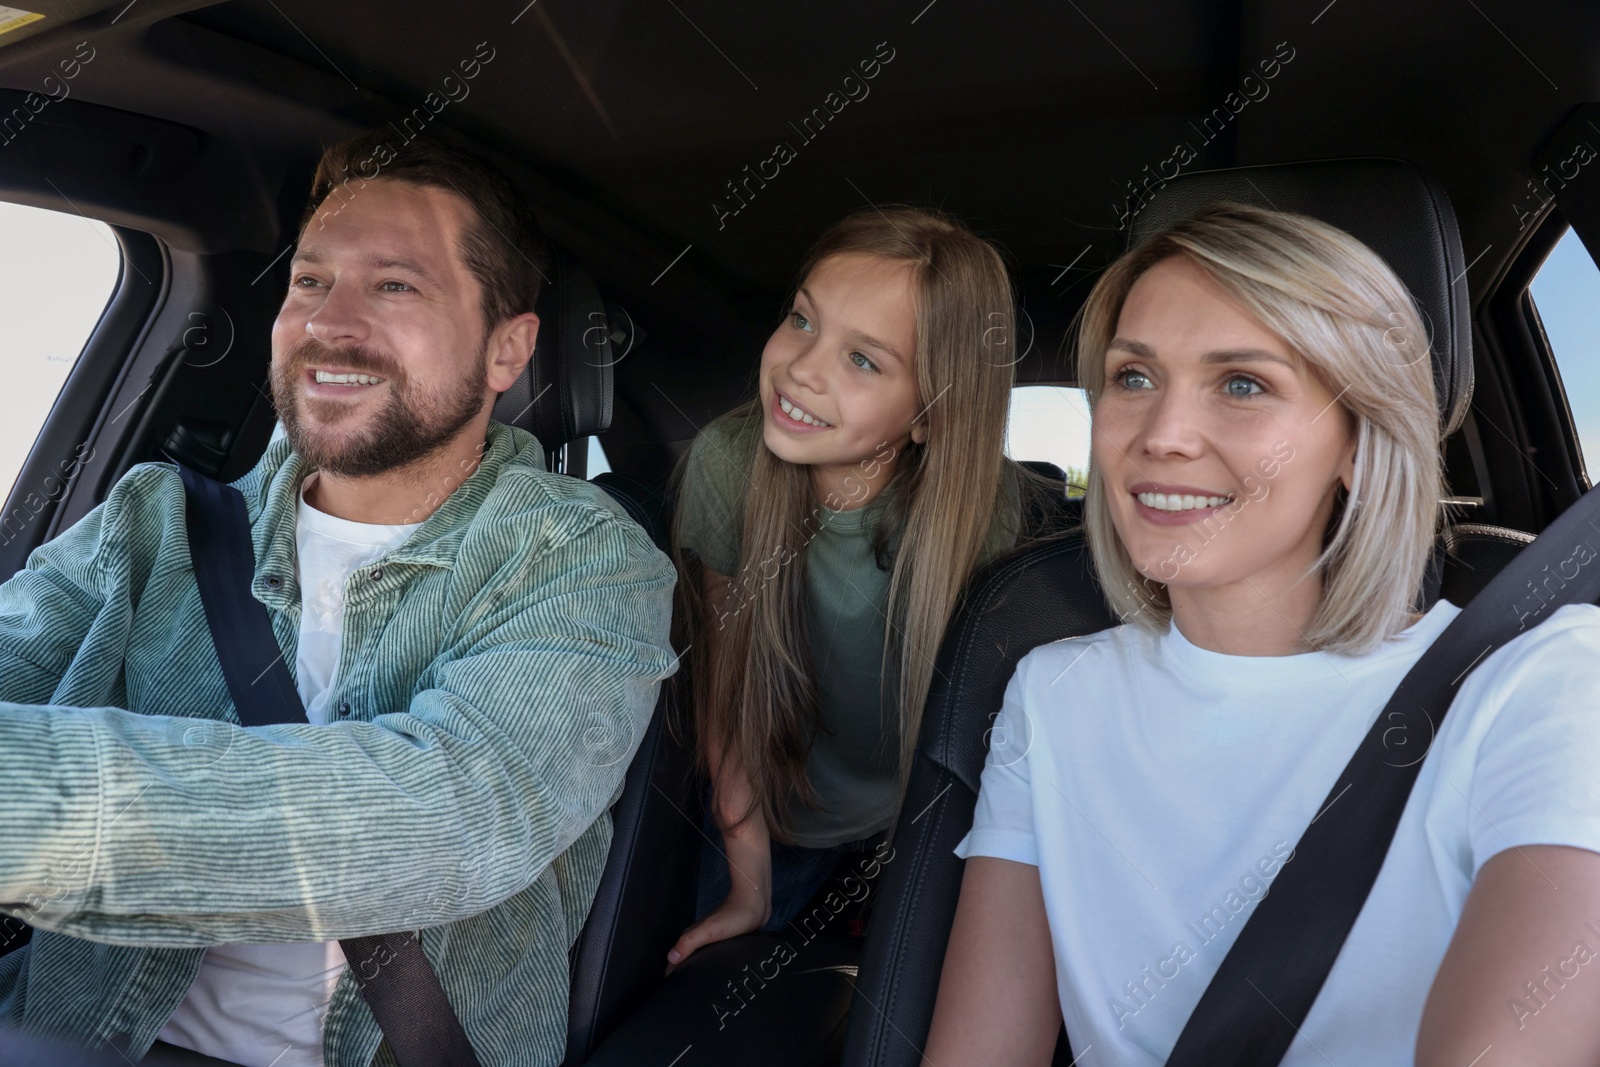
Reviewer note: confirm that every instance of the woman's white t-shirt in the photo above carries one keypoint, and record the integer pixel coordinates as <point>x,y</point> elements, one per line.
<point>1160,787</point>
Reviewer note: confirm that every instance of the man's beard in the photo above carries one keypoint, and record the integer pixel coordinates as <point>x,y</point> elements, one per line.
<point>413,424</point>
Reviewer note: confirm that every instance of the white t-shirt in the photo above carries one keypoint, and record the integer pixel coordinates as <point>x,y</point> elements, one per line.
<point>1160,787</point>
<point>263,1005</point>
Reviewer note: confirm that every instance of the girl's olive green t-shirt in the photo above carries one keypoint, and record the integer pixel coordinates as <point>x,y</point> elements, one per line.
<point>854,755</point>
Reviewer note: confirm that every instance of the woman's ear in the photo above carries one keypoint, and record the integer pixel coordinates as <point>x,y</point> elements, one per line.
<point>1347,470</point>
<point>1352,441</point>
<point>919,432</point>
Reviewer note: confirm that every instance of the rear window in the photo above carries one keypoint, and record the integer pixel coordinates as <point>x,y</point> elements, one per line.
<point>57,273</point>
<point>1050,424</point>
<point>1566,292</point>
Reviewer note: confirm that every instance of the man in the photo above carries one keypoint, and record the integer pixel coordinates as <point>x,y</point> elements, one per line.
<point>478,645</point>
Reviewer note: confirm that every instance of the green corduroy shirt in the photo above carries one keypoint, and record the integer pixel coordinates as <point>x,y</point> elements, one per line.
<point>497,672</point>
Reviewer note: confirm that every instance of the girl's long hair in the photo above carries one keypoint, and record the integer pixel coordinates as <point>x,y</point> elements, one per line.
<point>759,699</point>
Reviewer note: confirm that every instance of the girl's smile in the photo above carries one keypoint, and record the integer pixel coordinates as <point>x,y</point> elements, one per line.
<point>792,418</point>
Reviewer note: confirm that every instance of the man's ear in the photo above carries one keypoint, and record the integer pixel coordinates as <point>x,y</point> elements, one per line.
<point>509,349</point>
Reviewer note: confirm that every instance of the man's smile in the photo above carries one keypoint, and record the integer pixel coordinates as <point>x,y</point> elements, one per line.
<point>338,382</point>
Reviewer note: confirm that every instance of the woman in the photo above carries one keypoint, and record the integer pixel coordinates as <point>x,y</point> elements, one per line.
<point>1262,501</point>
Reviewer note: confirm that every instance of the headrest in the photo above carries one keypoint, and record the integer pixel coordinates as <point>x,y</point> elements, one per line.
<point>565,393</point>
<point>1389,206</point>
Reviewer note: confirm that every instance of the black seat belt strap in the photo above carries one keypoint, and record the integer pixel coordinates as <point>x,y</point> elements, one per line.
<point>395,978</point>
<point>259,682</point>
<point>1260,996</point>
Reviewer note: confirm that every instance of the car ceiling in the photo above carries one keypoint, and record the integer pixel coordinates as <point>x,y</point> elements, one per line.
<point>624,119</point>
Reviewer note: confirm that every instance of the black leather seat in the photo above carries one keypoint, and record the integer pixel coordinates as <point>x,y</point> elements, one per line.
<point>565,392</point>
<point>1048,591</point>
<point>1474,553</point>
<point>646,892</point>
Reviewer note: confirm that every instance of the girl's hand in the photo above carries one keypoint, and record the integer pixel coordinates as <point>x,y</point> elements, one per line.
<point>742,913</point>
<point>747,846</point>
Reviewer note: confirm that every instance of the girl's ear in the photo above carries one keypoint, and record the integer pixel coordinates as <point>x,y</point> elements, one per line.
<point>919,432</point>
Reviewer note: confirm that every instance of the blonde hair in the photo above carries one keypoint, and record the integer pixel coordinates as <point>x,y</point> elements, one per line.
<point>759,698</point>
<point>1340,307</point>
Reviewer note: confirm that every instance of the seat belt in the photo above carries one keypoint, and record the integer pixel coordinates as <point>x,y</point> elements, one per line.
<point>395,978</point>
<point>1260,996</point>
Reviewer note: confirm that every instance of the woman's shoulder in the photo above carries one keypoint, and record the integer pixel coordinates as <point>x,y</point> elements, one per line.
<point>1544,683</point>
<point>1575,621</point>
<point>1085,656</point>
<point>1567,642</point>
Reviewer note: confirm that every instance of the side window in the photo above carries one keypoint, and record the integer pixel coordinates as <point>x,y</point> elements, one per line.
<point>56,277</point>
<point>1566,292</point>
<point>1050,424</point>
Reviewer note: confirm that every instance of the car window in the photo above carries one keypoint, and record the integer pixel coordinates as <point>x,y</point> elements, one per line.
<point>56,276</point>
<point>1050,424</point>
<point>1566,292</point>
<point>596,463</point>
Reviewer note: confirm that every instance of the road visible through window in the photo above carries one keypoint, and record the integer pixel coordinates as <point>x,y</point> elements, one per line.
<point>57,272</point>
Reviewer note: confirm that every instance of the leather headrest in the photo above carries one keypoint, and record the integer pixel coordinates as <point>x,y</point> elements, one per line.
<point>1389,206</point>
<point>565,393</point>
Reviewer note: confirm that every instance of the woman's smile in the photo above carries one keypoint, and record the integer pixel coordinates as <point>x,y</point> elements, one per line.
<point>1176,505</point>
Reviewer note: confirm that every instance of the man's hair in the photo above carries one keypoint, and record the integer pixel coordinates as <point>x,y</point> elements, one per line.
<point>504,249</point>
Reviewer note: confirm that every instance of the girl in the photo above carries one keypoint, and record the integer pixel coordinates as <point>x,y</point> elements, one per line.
<point>824,532</point>
<point>1262,500</point>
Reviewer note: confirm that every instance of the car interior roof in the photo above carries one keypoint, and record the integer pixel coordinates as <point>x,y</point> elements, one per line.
<point>624,120</point>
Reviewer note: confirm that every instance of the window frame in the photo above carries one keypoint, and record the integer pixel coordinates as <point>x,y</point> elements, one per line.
<point>78,416</point>
<point>1532,462</point>
<point>1558,385</point>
